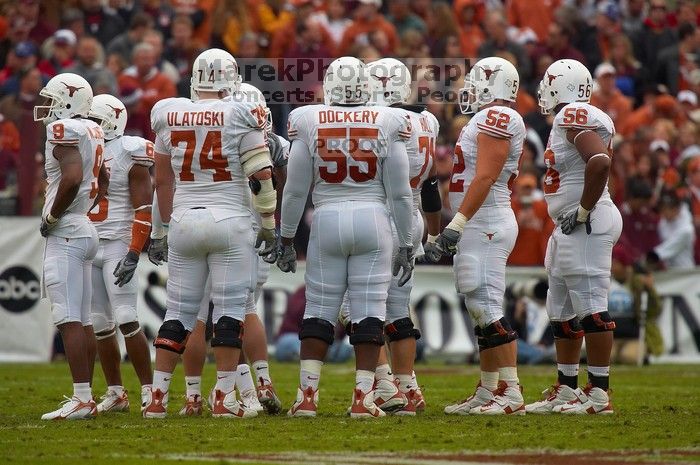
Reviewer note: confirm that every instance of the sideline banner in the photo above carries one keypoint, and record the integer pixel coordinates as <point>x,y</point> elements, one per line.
<point>26,331</point>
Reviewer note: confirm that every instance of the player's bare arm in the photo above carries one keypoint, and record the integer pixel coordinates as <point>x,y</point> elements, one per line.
<point>165,186</point>
<point>140,191</point>
<point>593,151</point>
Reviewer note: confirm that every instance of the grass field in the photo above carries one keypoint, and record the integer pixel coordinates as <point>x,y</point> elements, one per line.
<point>657,421</point>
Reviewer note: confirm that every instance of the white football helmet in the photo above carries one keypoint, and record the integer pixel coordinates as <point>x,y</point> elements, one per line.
<point>346,82</point>
<point>389,82</point>
<point>565,81</point>
<point>250,94</point>
<point>215,70</point>
<point>490,79</point>
<point>69,95</point>
<point>111,113</point>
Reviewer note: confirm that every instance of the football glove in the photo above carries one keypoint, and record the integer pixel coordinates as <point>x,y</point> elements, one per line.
<point>126,268</point>
<point>447,241</point>
<point>403,262</point>
<point>266,243</point>
<point>570,221</point>
<point>432,254</point>
<point>287,259</point>
<point>158,250</point>
<point>48,222</point>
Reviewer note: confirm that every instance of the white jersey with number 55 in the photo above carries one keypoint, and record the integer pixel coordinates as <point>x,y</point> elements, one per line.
<point>205,140</point>
<point>114,215</point>
<point>564,180</point>
<point>497,121</point>
<point>88,138</point>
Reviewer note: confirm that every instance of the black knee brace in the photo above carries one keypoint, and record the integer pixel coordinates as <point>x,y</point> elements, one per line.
<point>172,336</point>
<point>597,322</point>
<point>570,329</point>
<point>228,332</point>
<point>480,339</point>
<point>317,328</point>
<point>496,334</point>
<point>401,329</point>
<point>368,331</point>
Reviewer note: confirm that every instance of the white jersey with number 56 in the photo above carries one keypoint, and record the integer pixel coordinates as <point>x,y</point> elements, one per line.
<point>497,121</point>
<point>205,140</point>
<point>114,215</point>
<point>88,137</point>
<point>563,183</point>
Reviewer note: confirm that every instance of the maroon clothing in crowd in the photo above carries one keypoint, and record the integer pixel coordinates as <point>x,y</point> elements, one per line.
<point>639,231</point>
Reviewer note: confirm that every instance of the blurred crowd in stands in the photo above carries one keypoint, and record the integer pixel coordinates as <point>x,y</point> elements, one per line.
<point>643,54</point>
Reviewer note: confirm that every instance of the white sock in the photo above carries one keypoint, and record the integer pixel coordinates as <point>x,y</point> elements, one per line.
<point>82,391</point>
<point>568,369</point>
<point>489,380</point>
<point>405,382</point>
<point>414,380</point>
<point>262,372</point>
<point>225,381</point>
<point>118,389</point>
<point>310,373</point>
<point>383,372</point>
<point>161,380</point>
<point>193,385</point>
<point>509,375</point>
<point>244,379</point>
<point>599,371</point>
<point>364,380</point>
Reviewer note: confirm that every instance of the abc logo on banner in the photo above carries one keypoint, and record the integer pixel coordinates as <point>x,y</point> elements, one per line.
<point>20,289</point>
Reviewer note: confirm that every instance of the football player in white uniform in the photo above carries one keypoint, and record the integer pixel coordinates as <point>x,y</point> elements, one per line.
<point>260,395</point>
<point>579,252</point>
<point>123,220</point>
<point>484,229</point>
<point>73,166</point>
<point>355,158</point>
<point>210,149</point>
<point>390,85</point>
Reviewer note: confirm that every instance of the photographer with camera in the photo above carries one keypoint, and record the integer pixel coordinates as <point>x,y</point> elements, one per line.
<point>635,306</point>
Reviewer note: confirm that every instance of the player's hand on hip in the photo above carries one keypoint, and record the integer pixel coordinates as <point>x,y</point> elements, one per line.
<point>570,221</point>
<point>48,222</point>
<point>158,250</point>
<point>266,244</point>
<point>126,268</point>
<point>287,258</point>
<point>403,264</point>
<point>447,241</point>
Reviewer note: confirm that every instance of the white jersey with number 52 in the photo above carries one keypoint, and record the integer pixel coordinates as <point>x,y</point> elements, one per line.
<point>114,215</point>
<point>88,137</point>
<point>205,140</point>
<point>563,183</point>
<point>497,121</point>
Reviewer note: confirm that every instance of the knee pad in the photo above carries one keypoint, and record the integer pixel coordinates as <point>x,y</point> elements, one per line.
<point>125,314</point>
<point>367,331</point>
<point>468,271</point>
<point>317,328</point>
<point>597,322</point>
<point>480,339</point>
<point>401,329</point>
<point>498,333</point>
<point>101,335</point>
<point>102,322</point>
<point>130,329</point>
<point>228,332</point>
<point>172,336</point>
<point>570,329</point>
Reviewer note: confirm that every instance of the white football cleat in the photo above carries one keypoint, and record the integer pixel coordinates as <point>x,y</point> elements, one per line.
<point>226,405</point>
<point>481,397</point>
<point>268,398</point>
<point>507,400</point>
<point>557,395</point>
<point>113,402</point>
<point>73,409</point>
<point>593,401</point>
<point>192,407</point>
<point>363,405</point>
<point>387,395</point>
<point>306,403</point>
<point>154,404</point>
<point>250,401</point>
